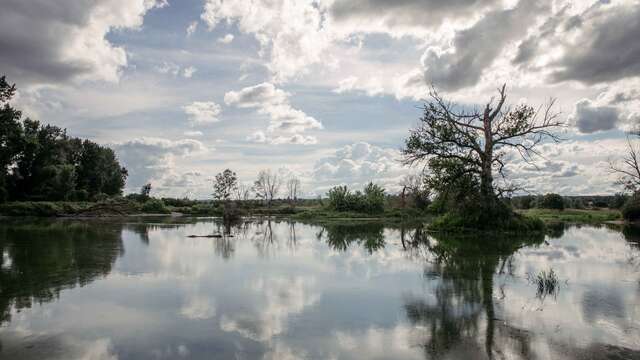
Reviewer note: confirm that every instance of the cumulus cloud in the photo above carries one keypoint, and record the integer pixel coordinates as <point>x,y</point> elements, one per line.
<point>191,29</point>
<point>188,72</point>
<point>290,32</point>
<point>589,117</point>
<point>358,164</point>
<point>227,39</point>
<point>149,159</point>
<point>476,48</point>
<point>195,133</point>
<point>274,102</point>
<point>52,42</point>
<point>407,17</point>
<point>605,46</point>
<point>168,68</point>
<point>202,112</point>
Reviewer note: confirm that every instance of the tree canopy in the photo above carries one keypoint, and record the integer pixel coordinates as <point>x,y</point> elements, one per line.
<point>42,162</point>
<point>465,149</point>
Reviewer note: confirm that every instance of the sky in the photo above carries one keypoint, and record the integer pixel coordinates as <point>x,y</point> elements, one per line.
<point>325,90</point>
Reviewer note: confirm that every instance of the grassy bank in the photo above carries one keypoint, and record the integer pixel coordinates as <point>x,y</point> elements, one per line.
<point>585,216</point>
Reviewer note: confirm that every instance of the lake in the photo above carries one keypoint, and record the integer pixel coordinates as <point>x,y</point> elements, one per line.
<point>276,289</point>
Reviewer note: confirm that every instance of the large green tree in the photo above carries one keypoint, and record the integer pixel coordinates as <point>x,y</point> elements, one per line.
<point>41,162</point>
<point>465,149</point>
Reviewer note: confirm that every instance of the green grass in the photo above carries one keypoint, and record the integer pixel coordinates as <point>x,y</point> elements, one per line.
<point>573,215</point>
<point>511,223</point>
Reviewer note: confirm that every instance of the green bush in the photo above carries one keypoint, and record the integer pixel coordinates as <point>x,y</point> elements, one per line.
<point>631,209</point>
<point>370,201</point>
<point>79,195</point>
<point>552,201</point>
<point>100,197</point>
<point>31,208</point>
<point>154,206</point>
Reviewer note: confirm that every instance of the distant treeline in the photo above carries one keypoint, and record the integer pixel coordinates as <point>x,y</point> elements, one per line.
<point>555,201</point>
<point>41,162</point>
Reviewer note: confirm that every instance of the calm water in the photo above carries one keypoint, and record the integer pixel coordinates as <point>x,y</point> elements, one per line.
<point>284,290</point>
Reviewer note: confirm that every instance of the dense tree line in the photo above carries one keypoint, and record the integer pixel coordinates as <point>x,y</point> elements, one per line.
<point>42,162</point>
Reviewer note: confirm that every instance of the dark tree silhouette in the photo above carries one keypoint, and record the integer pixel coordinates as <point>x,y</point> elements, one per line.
<point>475,143</point>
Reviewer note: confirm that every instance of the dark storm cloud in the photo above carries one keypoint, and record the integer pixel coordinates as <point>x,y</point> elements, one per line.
<point>33,34</point>
<point>43,41</point>
<point>528,48</point>
<point>398,13</point>
<point>478,46</point>
<point>589,118</point>
<point>607,48</point>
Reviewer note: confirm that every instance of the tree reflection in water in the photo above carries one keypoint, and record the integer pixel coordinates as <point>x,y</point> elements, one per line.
<point>40,259</point>
<point>461,319</point>
<point>340,236</point>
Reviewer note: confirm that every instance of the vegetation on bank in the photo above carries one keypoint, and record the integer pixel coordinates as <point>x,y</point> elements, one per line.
<point>595,215</point>
<point>41,162</point>
<point>45,172</point>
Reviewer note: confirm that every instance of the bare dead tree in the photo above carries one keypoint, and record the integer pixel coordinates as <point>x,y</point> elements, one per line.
<point>411,185</point>
<point>293,188</point>
<point>267,186</point>
<point>481,140</point>
<point>629,171</point>
<point>242,192</point>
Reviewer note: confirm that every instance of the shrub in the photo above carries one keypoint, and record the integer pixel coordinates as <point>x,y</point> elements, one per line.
<point>79,195</point>
<point>552,201</point>
<point>338,197</point>
<point>31,208</point>
<point>154,206</point>
<point>100,197</point>
<point>617,201</point>
<point>631,209</point>
<point>370,201</point>
<point>373,198</point>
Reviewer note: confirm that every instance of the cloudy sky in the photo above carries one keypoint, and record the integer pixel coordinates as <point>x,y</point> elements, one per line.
<point>325,89</point>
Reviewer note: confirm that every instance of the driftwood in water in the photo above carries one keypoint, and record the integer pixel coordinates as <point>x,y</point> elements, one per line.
<point>208,236</point>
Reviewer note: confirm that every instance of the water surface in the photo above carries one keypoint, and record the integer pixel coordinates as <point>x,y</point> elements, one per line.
<point>272,289</point>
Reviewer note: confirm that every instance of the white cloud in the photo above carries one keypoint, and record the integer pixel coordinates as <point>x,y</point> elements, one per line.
<point>191,29</point>
<point>356,165</point>
<point>274,103</point>
<point>168,68</point>
<point>202,112</point>
<point>149,159</point>
<point>227,39</point>
<point>193,133</point>
<point>189,71</point>
<point>66,40</point>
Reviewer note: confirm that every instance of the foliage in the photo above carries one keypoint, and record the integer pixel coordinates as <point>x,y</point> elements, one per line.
<point>463,151</point>
<point>477,219</point>
<point>478,141</point>
<point>415,189</point>
<point>631,209</point>
<point>547,283</point>
<point>617,201</point>
<point>224,185</point>
<point>154,206</point>
<point>552,201</point>
<point>41,162</point>
<point>573,215</point>
<point>371,200</point>
<point>145,192</point>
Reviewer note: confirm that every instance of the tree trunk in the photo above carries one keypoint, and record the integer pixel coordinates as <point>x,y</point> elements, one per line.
<point>486,176</point>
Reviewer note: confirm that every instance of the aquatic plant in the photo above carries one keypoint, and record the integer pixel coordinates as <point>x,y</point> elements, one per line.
<point>547,283</point>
